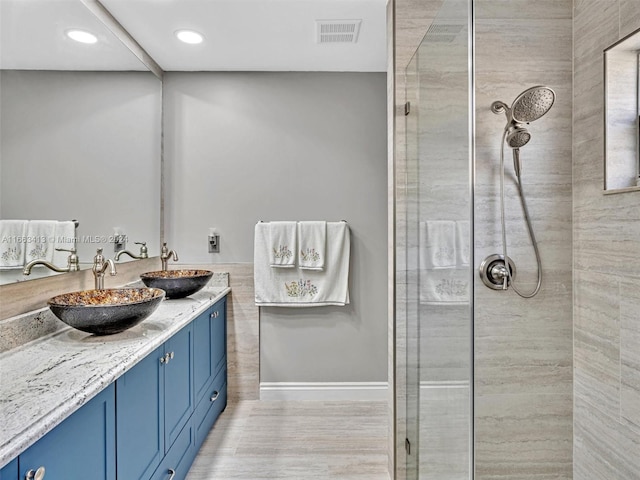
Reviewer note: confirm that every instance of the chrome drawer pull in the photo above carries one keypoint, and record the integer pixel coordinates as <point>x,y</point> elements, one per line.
<point>215,395</point>
<point>215,314</point>
<point>172,472</point>
<point>35,475</point>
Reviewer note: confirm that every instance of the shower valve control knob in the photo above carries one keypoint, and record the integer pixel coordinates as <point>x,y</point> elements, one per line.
<point>493,272</point>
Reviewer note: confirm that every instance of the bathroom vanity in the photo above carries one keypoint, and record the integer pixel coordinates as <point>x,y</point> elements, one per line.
<point>135,406</point>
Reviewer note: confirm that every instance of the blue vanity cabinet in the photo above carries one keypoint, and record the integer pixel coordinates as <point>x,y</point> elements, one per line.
<point>210,369</point>
<point>10,470</point>
<point>83,446</point>
<point>154,403</point>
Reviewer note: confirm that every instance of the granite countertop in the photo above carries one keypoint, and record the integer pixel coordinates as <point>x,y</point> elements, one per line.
<point>45,381</point>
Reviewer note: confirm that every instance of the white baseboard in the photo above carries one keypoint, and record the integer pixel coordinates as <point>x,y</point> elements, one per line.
<point>370,391</point>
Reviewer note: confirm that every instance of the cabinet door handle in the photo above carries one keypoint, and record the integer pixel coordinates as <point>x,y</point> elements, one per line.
<point>35,475</point>
<point>214,397</point>
<point>172,472</point>
<point>167,356</point>
<point>171,354</point>
<point>215,314</point>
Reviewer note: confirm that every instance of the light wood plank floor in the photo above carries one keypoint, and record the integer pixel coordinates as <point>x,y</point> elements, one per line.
<point>301,440</point>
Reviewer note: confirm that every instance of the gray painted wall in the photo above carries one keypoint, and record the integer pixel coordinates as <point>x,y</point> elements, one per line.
<point>83,145</point>
<point>244,147</point>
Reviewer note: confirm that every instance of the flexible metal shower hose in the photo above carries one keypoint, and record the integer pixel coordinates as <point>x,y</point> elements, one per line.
<point>529,227</point>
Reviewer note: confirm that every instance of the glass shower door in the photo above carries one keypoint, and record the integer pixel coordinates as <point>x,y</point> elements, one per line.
<point>440,250</point>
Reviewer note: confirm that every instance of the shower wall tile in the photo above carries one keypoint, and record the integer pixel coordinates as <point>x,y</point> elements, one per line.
<point>630,351</point>
<point>523,347</point>
<point>525,436</point>
<point>606,252</point>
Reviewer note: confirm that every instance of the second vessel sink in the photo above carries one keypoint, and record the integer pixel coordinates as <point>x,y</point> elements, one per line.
<point>177,283</point>
<point>108,311</point>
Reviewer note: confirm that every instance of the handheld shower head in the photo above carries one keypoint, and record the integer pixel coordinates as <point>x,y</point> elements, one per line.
<point>517,136</point>
<point>532,104</point>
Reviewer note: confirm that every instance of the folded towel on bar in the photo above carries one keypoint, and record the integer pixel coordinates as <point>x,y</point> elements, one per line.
<point>437,240</point>
<point>65,238</point>
<point>312,239</point>
<point>40,240</point>
<point>295,287</point>
<point>282,244</point>
<point>463,246</point>
<point>13,235</point>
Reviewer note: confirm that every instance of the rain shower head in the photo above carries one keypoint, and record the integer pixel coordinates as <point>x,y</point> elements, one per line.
<point>532,104</point>
<point>528,107</point>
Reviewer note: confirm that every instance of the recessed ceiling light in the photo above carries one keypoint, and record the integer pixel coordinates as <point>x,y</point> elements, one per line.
<point>82,36</point>
<point>189,36</point>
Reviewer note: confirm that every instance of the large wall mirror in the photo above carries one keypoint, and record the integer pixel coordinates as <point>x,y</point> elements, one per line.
<point>80,134</point>
<point>622,114</point>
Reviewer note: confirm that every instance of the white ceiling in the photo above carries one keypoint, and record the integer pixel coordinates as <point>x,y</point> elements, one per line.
<point>240,35</point>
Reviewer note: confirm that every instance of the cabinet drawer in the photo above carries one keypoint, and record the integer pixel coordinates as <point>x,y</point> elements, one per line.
<point>210,407</point>
<point>179,457</point>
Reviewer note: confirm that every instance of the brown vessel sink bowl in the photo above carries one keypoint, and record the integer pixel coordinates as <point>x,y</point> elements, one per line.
<point>177,283</point>
<point>108,311</point>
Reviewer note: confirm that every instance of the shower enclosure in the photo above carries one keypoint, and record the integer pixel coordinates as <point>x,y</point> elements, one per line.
<point>439,251</point>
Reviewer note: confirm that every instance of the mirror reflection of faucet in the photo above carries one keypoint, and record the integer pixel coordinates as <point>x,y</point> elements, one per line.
<point>144,253</point>
<point>73,263</point>
<point>100,264</point>
<point>166,254</point>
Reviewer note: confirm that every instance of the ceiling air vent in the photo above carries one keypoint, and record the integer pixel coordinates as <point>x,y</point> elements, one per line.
<point>337,31</point>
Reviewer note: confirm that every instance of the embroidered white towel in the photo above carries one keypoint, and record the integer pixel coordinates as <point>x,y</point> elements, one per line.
<point>13,235</point>
<point>444,286</point>
<point>312,239</point>
<point>295,287</point>
<point>65,238</point>
<point>282,244</point>
<point>463,250</point>
<point>437,240</point>
<point>40,240</point>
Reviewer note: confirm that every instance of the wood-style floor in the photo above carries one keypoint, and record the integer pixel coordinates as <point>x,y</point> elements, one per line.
<point>301,440</point>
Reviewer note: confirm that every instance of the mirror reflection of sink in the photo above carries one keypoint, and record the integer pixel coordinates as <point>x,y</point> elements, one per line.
<point>108,311</point>
<point>177,283</point>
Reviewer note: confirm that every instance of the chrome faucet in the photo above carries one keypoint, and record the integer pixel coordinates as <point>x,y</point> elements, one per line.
<point>143,252</point>
<point>166,254</point>
<point>99,266</point>
<point>73,263</point>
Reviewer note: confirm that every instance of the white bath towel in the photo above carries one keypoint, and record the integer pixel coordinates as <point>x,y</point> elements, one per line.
<point>312,239</point>
<point>295,287</point>
<point>463,247</point>
<point>282,244</point>
<point>13,235</point>
<point>65,238</point>
<point>437,244</point>
<point>41,236</point>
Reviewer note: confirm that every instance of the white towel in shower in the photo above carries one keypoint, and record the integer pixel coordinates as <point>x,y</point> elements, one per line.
<point>65,238</point>
<point>282,244</point>
<point>437,244</point>
<point>312,237</point>
<point>13,234</point>
<point>445,286</point>
<point>463,246</point>
<point>40,240</point>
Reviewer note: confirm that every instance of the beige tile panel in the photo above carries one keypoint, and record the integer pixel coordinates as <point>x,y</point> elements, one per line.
<point>595,25</point>
<point>629,16</point>
<point>597,340</point>
<point>630,351</point>
<point>524,437</point>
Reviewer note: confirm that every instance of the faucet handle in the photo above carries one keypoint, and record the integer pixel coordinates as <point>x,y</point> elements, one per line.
<point>71,250</point>
<point>144,252</point>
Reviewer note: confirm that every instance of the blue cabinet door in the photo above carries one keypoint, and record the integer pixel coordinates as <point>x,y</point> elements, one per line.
<point>140,419</point>
<point>178,384</point>
<point>10,470</point>
<point>202,368</point>
<point>218,320</point>
<point>81,447</point>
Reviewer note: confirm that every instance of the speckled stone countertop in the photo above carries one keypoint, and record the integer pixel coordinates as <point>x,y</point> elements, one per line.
<point>45,381</point>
